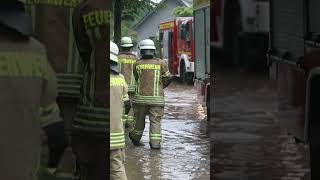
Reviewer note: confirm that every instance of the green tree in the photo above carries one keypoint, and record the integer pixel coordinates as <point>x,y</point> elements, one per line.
<point>183,11</point>
<point>128,10</point>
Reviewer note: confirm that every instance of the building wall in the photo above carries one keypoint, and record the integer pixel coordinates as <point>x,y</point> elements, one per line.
<point>150,26</point>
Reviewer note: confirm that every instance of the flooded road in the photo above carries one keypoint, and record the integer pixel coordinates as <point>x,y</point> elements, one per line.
<point>185,150</point>
<point>246,141</point>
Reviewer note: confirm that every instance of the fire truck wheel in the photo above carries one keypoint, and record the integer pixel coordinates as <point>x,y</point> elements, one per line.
<point>183,73</point>
<point>185,77</point>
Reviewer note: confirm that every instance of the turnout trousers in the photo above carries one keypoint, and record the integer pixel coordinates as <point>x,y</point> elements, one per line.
<point>91,154</point>
<point>57,138</point>
<point>117,168</point>
<point>130,118</point>
<point>155,114</point>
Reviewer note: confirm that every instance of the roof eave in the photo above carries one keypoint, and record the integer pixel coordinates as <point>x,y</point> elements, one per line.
<point>150,13</point>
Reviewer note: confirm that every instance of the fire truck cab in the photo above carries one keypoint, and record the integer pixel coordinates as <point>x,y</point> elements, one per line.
<point>177,47</point>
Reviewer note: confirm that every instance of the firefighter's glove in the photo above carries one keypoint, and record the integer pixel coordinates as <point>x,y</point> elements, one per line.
<point>57,141</point>
<point>167,82</point>
<point>127,106</point>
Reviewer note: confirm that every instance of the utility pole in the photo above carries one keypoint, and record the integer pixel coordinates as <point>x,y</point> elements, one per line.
<point>117,20</point>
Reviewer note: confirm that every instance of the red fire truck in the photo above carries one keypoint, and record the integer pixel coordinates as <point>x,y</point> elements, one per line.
<point>177,47</point>
<point>295,56</point>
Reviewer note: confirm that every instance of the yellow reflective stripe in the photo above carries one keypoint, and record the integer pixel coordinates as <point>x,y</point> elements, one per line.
<point>157,79</point>
<point>20,64</point>
<point>126,61</point>
<point>117,81</point>
<point>117,141</point>
<point>49,114</point>
<point>89,122</point>
<point>159,98</point>
<point>92,77</point>
<point>120,67</point>
<point>69,3</point>
<point>125,97</point>
<point>117,138</point>
<point>166,74</point>
<point>155,136</point>
<point>92,116</point>
<point>133,82</point>
<point>148,67</point>
<point>96,18</point>
<point>73,53</point>
<point>138,85</point>
<point>116,134</point>
<point>132,89</point>
<point>117,145</point>
<point>149,102</point>
<point>130,117</point>
<point>154,82</point>
<point>136,132</point>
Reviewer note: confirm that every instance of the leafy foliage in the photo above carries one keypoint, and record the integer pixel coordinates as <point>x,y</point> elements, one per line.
<point>128,10</point>
<point>132,8</point>
<point>183,12</point>
<point>131,11</point>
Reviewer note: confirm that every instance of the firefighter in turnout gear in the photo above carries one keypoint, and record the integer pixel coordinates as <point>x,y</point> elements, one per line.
<point>52,25</point>
<point>126,61</point>
<point>118,97</point>
<point>91,123</point>
<point>28,84</point>
<point>151,76</point>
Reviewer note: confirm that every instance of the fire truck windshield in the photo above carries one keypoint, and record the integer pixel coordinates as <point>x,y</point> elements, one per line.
<point>185,31</point>
<point>184,41</point>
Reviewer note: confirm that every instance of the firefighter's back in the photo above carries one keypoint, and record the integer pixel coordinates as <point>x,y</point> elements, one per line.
<point>126,62</point>
<point>118,91</point>
<point>149,84</point>
<point>24,72</point>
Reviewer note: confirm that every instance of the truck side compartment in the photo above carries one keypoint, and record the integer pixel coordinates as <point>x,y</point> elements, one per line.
<point>202,51</point>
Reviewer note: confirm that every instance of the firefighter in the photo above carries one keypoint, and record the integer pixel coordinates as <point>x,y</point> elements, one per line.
<point>27,84</point>
<point>126,61</point>
<point>152,76</point>
<point>118,95</point>
<point>52,25</point>
<point>90,126</point>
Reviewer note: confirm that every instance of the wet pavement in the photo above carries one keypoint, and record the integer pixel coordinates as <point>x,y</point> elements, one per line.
<point>246,141</point>
<point>185,149</point>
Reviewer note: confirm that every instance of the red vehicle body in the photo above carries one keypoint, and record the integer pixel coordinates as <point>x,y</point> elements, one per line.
<point>295,56</point>
<point>177,46</point>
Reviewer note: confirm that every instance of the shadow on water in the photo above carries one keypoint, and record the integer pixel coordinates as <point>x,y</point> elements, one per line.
<point>247,142</point>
